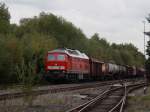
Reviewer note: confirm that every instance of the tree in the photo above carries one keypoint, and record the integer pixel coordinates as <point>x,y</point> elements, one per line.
<point>148,60</point>
<point>148,50</point>
<point>4,19</point>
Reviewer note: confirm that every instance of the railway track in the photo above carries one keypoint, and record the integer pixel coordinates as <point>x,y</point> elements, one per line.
<point>55,89</point>
<point>111,100</point>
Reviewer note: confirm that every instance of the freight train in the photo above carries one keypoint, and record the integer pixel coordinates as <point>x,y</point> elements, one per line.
<point>73,65</point>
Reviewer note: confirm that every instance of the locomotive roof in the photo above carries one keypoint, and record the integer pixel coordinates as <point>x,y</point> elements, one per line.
<point>70,52</point>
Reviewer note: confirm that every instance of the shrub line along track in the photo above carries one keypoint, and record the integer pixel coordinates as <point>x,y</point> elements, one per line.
<point>11,95</point>
<point>111,100</point>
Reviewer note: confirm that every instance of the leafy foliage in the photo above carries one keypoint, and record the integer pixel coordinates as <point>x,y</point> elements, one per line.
<point>4,19</point>
<point>148,51</point>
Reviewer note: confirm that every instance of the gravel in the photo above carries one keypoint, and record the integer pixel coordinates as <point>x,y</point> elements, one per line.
<point>58,102</point>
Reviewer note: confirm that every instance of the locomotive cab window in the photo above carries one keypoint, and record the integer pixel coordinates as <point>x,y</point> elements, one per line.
<point>61,57</point>
<point>51,57</point>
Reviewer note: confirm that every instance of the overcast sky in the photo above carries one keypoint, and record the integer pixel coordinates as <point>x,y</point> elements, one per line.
<point>118,21</point>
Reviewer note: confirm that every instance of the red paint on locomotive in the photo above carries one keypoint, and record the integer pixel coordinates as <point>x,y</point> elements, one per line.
<point>66,62</point>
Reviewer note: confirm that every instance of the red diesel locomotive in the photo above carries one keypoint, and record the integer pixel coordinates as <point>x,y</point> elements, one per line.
<point>74,65</point>
<point>67,64</point>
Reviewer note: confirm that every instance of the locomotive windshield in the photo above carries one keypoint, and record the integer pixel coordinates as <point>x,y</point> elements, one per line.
<point>51,57</point>
<point>58,57</point>
<point>61,57</point>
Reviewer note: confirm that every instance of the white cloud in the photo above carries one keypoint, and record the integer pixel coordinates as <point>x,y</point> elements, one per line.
<point>22,11</point>
<point>117,20</point>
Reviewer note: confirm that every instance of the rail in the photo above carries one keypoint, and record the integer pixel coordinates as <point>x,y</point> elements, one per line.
<point>11,95</point>
<point>119,106</point>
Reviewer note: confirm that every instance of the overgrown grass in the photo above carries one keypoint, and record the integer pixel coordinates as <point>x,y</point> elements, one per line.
<point>139,103</point>
<point>26,75</point>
